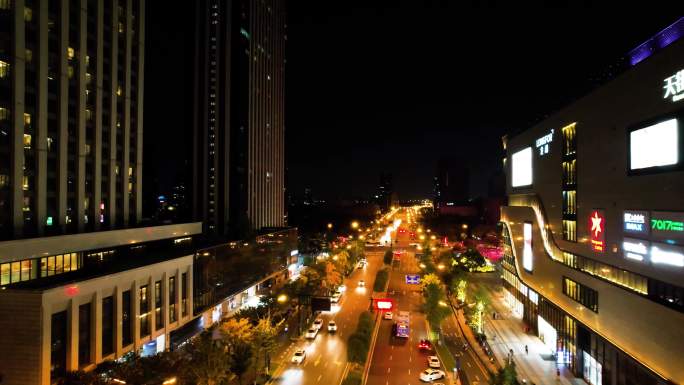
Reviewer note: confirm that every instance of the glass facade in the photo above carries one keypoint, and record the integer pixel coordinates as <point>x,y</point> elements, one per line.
<point>226,269</point>
<point>581,293</point>
<point>158,319</point>
<point>172,299</point>
<point>126,318</point>
<point>144,298</point>
<point>569,184</point>
<point>58,345</point>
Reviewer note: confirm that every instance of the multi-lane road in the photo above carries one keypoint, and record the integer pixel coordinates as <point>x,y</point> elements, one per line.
<point>394,360</point>
<point>326,355</point>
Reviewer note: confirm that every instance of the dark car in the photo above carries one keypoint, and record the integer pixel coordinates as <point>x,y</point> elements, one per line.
<point>425,345</point>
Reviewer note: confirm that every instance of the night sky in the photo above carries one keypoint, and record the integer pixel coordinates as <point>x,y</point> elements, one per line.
<point>395,87</point>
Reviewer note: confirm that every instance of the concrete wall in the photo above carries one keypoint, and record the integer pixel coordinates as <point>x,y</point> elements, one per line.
<point>31,331</point>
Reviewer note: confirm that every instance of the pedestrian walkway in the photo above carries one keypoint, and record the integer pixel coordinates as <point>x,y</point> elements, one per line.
<point>507,333</point>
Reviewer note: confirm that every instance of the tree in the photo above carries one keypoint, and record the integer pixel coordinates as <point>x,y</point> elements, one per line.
<point>436,308</point>
<point>264,341</point>
<point>341,260</point>
<point>236,330</point>
<point>505,376</point>
<point>239,359</point>
<point>331,276</point>
<point>208,360</point>
<point>387,258</point>
<point>429,279</point>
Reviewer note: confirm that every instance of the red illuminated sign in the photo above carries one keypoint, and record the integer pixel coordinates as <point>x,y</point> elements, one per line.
<point>71,290</point>
<point>597,230</point>
<point>383,303</point>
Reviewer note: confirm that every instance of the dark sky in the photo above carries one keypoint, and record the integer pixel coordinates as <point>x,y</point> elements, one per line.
<point>396,85</point>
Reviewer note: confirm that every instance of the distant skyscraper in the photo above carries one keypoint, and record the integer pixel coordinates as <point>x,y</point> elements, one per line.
<point>385,190</point>
<point>451,182</point>
<point>71,75</point>
<point>239,115</point>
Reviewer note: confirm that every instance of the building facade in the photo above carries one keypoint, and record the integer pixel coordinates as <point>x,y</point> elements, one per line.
<point>451,183</point>
<point>239,115</point>
<point>594,233</point>
<point>71,81</point>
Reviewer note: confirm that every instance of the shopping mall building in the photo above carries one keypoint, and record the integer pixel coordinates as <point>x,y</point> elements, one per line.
<point>594,227</point>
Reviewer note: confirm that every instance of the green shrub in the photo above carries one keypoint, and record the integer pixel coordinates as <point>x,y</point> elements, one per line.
<point>381,280</point>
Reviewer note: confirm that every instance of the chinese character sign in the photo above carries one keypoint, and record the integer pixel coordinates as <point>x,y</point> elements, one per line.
<point>674,86</point>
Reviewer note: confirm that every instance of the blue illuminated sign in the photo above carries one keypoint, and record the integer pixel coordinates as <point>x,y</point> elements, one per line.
<point>412,279</point>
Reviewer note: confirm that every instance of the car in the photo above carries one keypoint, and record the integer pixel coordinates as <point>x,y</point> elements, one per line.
<point>341,288</point>
<point>362,283</point>
<point>298,356</point>
<point>335,297</point>
<point>425,345</point>
<point>311,333</point>
<point>388,315</point>
<point>433,362</point>
<point>428,375</point>
<point>318,323</point>
<point>332,326</point>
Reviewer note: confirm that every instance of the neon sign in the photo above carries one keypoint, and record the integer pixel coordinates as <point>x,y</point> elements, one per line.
<point>674,86</point>
<point>597,230</point>
<point>636,222</point>
<point>636,249</point>
<point>667,225</point>
<point>543,143</point>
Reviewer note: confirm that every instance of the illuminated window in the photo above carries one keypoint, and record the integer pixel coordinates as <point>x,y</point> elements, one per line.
<point>70,72</point>
<point>4,274</point>
<point>116,169</point>
<point>25,183</point>
<point>28,14</point>
<point>49,143</point>
<point>4,180</point>
<point>570,230</point>
<point>70,53</point>
<point>581,293</point>
<point>89,115</point>
<point>569,202</point>
<point>569,140</point>
<point>121,27</point>
<point>27,204</point>
<point>5,4</point>
<point>87,149</point>
<point>130,187</point>
<point>130,171</point>
<point>27,141</point>
<point>4,69</point>
<point>27,120</point>
<point>119,92</point>
<point>89,78</point>
<point>4,114</point>
<point>29,55</point>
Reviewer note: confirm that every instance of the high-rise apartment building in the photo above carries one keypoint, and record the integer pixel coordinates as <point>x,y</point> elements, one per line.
<point>71,92</point>
<point>238,160</point>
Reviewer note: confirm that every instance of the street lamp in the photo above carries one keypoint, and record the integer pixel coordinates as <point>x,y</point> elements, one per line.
<point>355,225</point>
<point>465,226</point>
<point>441,266</point>
<point>282,298</point>
<point>329,226</point>
<point>432,237</point>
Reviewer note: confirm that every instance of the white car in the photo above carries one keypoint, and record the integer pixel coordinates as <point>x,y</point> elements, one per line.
<point>362,283</point>
<point>341,288</point>
<point>332,327</point>
<point>299,356</point>
<point>388,315</point>
<point>318,323</point>
<point>433,362</point>
<point>428,375</point>
<point>311,333</point>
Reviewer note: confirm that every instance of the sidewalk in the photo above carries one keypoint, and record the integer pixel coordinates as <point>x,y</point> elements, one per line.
<point>506,332</point>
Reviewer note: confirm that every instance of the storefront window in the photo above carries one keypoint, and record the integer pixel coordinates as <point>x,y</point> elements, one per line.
<point>592,370</point>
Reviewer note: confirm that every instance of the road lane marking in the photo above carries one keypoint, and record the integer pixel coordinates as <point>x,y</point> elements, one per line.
<point>390,358</point>
<point>477,377</point>
<point>409,372</point>
<point>319,378</point>
<point>388,370</point>
<point>409,358</point>
<point>469,364</point>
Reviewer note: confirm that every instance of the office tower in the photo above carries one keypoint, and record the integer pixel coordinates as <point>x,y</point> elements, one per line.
<point>70,116</point>
<point>594,227</point>
<point>238,160</point>
<point>451,182</point>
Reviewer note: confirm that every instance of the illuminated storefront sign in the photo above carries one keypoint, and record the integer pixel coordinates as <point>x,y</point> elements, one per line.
<point>636,222</point>
<point>674,86</point>
<point>597,230</point>
<point>527,246</point>
<point>667,255</point>
<point>542,143</point>
<point>667,225</point>
<point>636,249</point>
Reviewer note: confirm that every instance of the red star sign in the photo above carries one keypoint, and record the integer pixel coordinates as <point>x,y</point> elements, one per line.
<point>596,226</point>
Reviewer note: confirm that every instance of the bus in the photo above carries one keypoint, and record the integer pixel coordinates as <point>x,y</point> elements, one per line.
<point>403,324</point>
